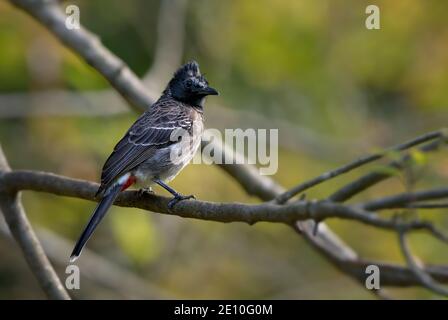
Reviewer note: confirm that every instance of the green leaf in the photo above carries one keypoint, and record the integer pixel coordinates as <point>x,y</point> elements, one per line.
<point>419,157</point>
<point>384,169</point>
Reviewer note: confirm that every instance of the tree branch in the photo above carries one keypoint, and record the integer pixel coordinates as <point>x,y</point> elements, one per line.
<point>22,231</point>
<point>424,277</point>
<point>96,268</point>
<point>404,200</point>
<point>170,43</point>
<point>372,178</point>
<point>89,47</point>
<point>355,164</point>
<point>221,212</point>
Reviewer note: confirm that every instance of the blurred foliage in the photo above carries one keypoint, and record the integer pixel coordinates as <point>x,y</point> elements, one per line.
<point>311,63</point>
<point>135,233</point>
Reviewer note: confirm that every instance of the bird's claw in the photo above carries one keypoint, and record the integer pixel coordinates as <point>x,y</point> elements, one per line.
<point>178,198</point>
<point>144,191</point>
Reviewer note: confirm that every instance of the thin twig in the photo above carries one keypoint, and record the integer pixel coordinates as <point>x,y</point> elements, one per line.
<point>391,274</point>
<point>426,205</point>
<point>425,279</point>
<point>353,165</point>
<point>404,200</point>
<point>372,178</point>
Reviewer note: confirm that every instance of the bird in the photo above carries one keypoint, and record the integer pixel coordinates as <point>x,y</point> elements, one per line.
<point>154,149</point>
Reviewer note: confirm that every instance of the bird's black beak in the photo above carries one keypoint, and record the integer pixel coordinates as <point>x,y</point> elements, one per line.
<point>208,91</point>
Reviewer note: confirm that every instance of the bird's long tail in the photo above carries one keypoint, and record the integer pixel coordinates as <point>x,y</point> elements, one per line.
<point>100,211</point>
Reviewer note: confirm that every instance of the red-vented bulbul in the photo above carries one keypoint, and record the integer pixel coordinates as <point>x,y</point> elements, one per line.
<point>144,155</point>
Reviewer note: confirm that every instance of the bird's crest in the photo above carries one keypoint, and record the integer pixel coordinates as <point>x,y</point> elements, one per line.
<point>190,69</point>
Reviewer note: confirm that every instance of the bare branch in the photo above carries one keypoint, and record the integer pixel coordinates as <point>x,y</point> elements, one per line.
<point>405,200</point>
<point>89,47</point>
<point>372,178</point>
<point>325,241</point>
<point>22,231</point>
<point>38,181</point>
<point>425,279</point>
<point>425,205</point>
<point>221,212</point>
<point>247,176</point>
<point>355,164</point>
<point>169,49</point>
<point>96,268</point>
<point>170,42</point>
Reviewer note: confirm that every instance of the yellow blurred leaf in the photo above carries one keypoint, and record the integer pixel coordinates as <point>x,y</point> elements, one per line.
<point>384,169</point>
<point>136,236</point>
<point>419,157</point>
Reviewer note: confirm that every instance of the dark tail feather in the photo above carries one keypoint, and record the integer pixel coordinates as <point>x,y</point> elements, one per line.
<point>100,211</point>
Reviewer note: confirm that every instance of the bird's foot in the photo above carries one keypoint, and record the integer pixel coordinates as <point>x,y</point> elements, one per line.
<point>179,197</point>
<point>144,191</point>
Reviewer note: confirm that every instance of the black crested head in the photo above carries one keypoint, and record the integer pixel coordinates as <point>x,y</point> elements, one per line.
<point>189,86</point>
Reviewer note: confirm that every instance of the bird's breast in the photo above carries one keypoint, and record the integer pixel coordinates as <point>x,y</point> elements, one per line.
<point>166,163</point>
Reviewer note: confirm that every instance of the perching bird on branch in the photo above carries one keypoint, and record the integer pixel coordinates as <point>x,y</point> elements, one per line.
<point>157,146</point>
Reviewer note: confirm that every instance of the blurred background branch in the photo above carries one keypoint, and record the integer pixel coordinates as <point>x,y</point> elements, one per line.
<point>33,252</point>
<point>424,277</point>
<point>98,270</point>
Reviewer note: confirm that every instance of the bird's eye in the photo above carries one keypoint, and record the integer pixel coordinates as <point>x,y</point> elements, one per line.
<point>188,83</point>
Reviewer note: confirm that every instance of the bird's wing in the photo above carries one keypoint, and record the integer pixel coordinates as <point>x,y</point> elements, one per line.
<point>153,130</point>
